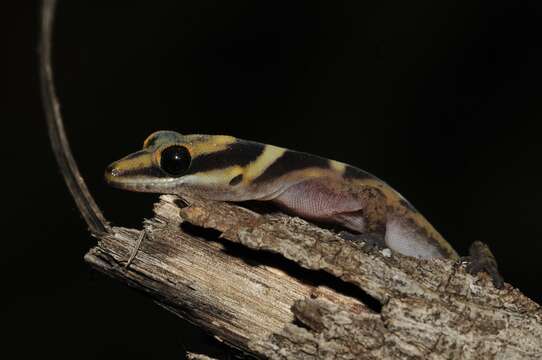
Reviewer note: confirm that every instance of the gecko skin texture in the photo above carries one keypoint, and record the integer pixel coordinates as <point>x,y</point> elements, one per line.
<point>224,168</point>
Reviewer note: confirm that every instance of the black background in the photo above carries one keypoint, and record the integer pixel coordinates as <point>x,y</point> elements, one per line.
<point>439,98</point>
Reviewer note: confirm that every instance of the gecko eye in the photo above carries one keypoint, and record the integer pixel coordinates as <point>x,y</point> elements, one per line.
<point>175,160</point>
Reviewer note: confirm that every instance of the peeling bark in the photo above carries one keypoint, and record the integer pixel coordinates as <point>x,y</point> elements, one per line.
<point>298,305</point>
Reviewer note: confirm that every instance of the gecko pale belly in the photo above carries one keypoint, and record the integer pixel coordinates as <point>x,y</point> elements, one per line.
<point>225,168</point>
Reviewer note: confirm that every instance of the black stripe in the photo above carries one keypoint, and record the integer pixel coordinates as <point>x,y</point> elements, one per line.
<point>240,153</point>
<point>408,205</point>
<point>236,180</point>
<point>290,161</point>
<point>145,172</point>
<point>354,173</point>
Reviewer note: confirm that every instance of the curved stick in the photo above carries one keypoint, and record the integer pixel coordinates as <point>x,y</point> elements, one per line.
<point>57,135</point>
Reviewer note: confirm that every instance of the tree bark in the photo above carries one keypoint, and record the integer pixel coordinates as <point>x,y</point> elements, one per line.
<point>279,287</point>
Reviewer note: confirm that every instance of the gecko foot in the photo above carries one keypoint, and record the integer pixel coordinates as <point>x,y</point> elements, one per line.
<point>371,240</point>
<point>482,259</point>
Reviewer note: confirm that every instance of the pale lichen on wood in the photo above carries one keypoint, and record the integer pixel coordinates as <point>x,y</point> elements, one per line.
<point>429,308</point>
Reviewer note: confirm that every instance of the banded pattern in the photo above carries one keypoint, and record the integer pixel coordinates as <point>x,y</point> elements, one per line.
<point>226,168</point>
<point>240,153</point>
<point>143,171</point>
<point>290,161</point>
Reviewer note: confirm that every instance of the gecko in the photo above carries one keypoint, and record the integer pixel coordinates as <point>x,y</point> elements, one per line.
<point>226,168</point>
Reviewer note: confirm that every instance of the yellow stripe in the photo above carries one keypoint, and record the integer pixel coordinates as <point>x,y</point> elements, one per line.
<point>339,167</point>
<point>143,161</point>
<point>213,143</point>
<point>269,155</point>
<point>214,177</point>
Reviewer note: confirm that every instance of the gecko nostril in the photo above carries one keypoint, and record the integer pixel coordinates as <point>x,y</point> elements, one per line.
<point>112,170</point>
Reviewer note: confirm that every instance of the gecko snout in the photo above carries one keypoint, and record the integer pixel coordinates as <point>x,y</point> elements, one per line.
<point>112,173</point>
<point>118,176</point>
<point>133,172</point>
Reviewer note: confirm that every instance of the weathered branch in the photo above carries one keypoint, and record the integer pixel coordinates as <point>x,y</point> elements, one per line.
<point>301,308</point>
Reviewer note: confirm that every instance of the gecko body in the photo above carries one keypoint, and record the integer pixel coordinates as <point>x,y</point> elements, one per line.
<point>226,168</point>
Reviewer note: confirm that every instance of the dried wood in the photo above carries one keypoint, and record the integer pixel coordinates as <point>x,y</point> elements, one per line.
<point>279,287</point>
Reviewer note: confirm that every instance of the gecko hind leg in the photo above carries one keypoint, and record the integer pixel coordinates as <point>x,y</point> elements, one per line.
<point>370,239</point>
<point>481,259</point>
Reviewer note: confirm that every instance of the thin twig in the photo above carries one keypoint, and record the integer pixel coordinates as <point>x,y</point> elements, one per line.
<point>59,141</point>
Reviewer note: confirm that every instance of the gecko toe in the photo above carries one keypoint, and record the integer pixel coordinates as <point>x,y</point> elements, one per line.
<point>481,259</point>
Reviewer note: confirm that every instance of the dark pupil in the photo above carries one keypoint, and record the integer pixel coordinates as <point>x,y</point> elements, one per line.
<point>175,160</point>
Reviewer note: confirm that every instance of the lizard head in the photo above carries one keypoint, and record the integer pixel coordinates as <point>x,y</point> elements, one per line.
<point>171,163</point>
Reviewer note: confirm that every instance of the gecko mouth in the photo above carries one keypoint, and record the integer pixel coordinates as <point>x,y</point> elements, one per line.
<point>140,185</point>
<point>129,185</point>
<point>149,180</point>
<point>131,179</point>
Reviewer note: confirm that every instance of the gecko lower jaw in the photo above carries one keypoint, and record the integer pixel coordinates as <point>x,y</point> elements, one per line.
<point>139,184</point>
<point>136,187</point>
<point>126,185</point>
